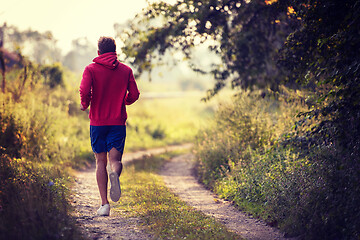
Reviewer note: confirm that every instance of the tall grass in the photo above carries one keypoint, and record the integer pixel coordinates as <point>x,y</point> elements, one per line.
<point>246,156</point>
<point>38,142</point>
<point>258,154</point>
<point>249,124</point>
<point>33,202</point>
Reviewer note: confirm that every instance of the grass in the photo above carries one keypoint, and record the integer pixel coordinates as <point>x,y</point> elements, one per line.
<point>33,202</point>
<point>167,217</point>
<point>157,121</point>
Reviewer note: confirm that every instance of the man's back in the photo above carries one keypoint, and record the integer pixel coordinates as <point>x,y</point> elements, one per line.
<point>108,86</point>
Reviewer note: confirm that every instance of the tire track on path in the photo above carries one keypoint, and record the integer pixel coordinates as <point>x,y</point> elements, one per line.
<point>178,176</point>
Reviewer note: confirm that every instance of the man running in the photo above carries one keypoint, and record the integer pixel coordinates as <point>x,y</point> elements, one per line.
<point>107,86</point>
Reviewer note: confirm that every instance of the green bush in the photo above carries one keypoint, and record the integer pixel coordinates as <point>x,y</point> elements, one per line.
<point>307,184</point>
<point>39,140</point>
<point>33,192</point>
<point>53,75</point>
<point>249,124</point>
<point>33,202</point>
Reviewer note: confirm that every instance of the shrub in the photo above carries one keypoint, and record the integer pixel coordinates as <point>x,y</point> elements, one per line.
<point>33,202</point>
<point>53,75</point>
<point>250,124</point>
<point>302,178</point>
<point>38,141</point>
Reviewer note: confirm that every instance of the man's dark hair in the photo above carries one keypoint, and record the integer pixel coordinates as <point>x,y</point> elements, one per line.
<point>106,44</point>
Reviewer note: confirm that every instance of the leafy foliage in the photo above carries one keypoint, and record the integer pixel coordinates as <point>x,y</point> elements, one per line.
<point>33,200</point>
<point>39,47</point>
<point>53,75</point>
<point>251,156</point>
<point>39,140</point>
<point>245,34</point>
<point>324,53</point>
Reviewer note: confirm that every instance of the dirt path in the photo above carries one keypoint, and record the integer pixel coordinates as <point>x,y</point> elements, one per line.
<point>86,201</point>
<point>178,176</point>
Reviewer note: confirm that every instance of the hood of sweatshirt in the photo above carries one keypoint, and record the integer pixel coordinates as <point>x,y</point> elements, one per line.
<point>108,60</point>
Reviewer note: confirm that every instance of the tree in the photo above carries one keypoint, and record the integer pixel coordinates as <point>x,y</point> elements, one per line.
<point>325,52</point>
<point>262,43</point>
<point>83,51</point>
<point>53,75</point>
<point>39,47</point>
<point>245,34</point>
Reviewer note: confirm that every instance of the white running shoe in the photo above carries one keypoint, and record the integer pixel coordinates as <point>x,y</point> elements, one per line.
<point>115,190</point>
<point>104,210</point>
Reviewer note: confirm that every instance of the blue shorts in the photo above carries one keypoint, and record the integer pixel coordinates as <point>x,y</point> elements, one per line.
<point>104,138</point>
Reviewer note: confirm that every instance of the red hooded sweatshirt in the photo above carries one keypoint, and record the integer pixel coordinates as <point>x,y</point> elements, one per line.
<point>107,86</point>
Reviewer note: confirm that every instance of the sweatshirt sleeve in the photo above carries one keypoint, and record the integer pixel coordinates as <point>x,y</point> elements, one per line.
<point>85,88</point>
<point>133,92</point>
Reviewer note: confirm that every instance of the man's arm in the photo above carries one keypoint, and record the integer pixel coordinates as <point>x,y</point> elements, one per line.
<point>133,91</point>
<point>85,89</point>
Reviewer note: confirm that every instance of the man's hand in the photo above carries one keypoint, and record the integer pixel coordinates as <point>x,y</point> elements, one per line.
<point>82,108</point>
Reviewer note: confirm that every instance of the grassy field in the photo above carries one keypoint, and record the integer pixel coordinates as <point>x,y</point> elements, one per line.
<point>160,119</point>
<point>166,216</point>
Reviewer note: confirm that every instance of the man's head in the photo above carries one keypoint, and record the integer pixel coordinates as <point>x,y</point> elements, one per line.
<point>106,44</point>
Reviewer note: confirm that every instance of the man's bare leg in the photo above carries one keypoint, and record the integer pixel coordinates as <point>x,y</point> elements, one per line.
<point>115,161</point>
<point>116,168</point>
<point>102,176</point>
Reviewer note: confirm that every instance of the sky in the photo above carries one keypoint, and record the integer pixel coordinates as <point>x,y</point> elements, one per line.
<point>70,19</point>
